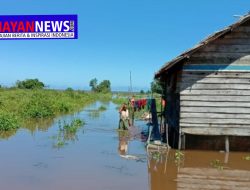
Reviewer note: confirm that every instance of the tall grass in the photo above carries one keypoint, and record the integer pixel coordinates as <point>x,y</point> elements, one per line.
<point>8,121</point>
<point>19,105</point>
<point>120,100</point>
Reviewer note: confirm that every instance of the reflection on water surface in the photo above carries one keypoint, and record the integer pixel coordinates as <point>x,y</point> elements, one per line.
<point>99,157</point>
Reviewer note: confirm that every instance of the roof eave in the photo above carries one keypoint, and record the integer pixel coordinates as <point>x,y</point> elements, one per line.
<point>208,40</point>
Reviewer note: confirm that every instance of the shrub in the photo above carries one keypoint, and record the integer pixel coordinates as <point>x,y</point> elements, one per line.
<point>63,107</point>
<point>104,86</point>
<point>30,84</point>
<point>73,126</point>
<point>156,86</point>
<point>8,122</point>
<point>21,105</point>
<point>142,92</point>
<point>69,89</point>
<point>38,107</point>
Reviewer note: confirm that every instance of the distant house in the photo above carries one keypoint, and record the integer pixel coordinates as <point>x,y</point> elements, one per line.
<point>208,87</point>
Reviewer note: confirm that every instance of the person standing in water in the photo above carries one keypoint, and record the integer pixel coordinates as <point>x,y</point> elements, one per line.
<point>131,111</point>
<point>124,117</point>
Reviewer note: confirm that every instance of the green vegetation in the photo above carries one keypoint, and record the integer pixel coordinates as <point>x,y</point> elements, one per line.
<point>8,121</point>
<point>120,100</point>
<point>69,89</point>
<point>217,164</point>
<point>156,155</point>
<point>156,87</point>
<point>102,108</point>
<point>72,127</point>
<point>103,87</point>
<point>40,106</point>
<point>95,113</point>
<point>17,106</point>
<point>59,144</point>
<point>67,133</point>
<point>178,157</point>
<point>246,158</point>
<point>142,92</point>
<point>30,84</point>
<point>93,84</point>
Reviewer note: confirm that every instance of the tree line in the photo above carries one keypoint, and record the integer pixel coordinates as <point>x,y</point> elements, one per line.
<point>102,87</point>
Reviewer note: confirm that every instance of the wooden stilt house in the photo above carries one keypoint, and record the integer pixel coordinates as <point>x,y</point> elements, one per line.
<point>207,88</point>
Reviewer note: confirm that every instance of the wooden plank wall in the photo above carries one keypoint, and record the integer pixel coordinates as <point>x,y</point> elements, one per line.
<point>217,102</point>
<point>173,104</point>
<point>233,49</point>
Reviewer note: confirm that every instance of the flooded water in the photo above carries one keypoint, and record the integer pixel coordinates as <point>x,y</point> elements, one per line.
<point>98,157</point>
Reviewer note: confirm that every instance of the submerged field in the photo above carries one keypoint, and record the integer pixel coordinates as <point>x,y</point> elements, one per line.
<point>79,149</point>
<point>17,106</point>
<point>68,147</point>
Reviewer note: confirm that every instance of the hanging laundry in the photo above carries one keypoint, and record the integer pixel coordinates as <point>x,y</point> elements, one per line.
<point>136,107</point>
<point>144,103</point>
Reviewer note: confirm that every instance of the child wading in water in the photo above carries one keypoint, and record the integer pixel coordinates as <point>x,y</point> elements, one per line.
<point>124,117</point>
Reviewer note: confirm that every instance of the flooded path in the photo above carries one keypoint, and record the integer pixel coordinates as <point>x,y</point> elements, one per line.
<point>97,157</point>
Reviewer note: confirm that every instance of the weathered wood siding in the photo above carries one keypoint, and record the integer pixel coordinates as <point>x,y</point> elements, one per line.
<point>214,87</point>
<point>173,99</point>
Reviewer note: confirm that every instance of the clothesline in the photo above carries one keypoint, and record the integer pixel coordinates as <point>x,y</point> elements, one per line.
<point>146,96</point>
<point>142,103</point>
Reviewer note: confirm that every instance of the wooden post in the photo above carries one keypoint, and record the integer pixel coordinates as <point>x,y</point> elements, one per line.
<point>166,128</point>
<point>226,143</point>
<point>183,141</point>
<point>165,113</point>
<point>179,143</point>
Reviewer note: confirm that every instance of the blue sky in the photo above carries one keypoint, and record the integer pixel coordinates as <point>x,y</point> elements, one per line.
<point>115,37</point>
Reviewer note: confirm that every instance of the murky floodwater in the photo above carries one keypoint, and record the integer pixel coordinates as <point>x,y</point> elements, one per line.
<point>97,157</point>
